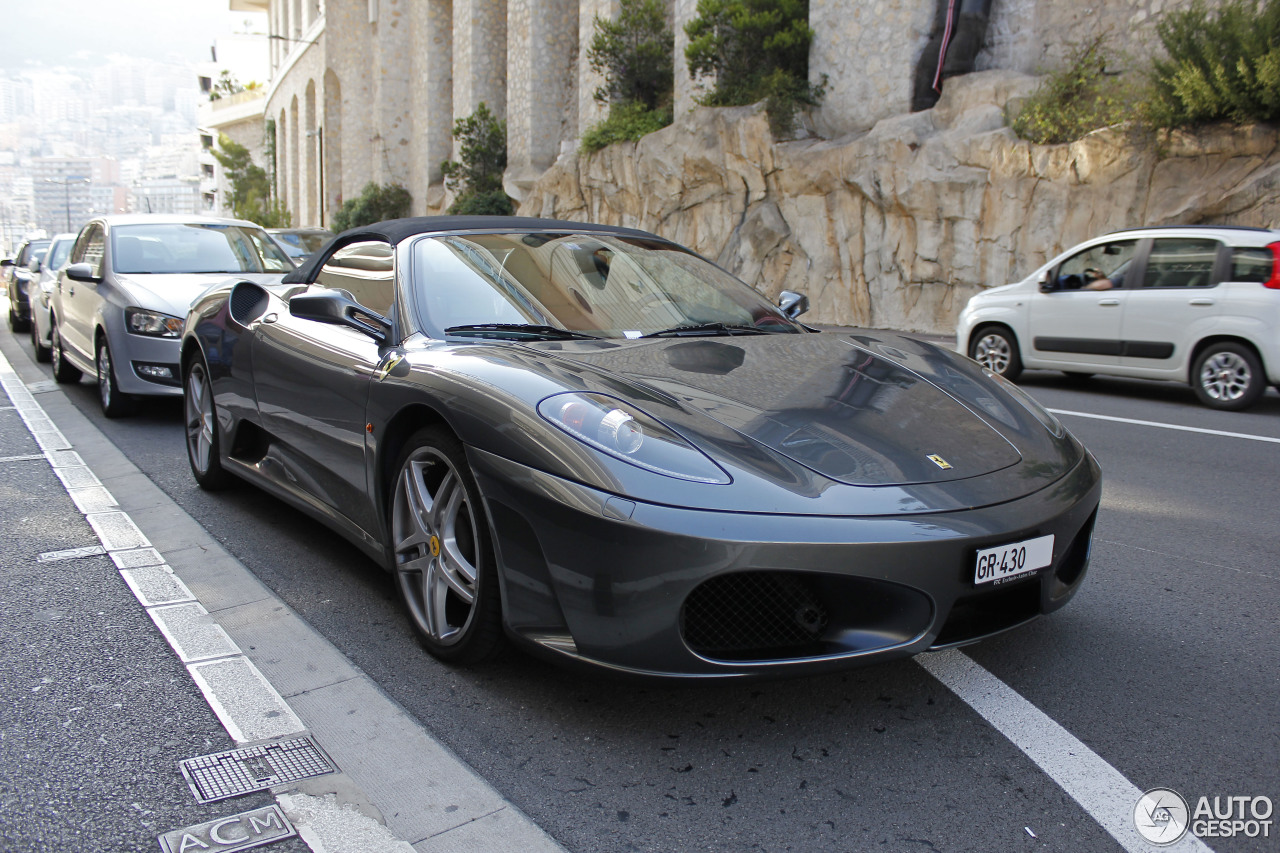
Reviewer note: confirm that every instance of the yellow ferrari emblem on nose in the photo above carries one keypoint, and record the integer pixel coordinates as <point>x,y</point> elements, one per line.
<point>939,461</point>
<point>434,545</point>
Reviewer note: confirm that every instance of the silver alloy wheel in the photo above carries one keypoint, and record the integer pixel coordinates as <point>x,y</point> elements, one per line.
<point>104,375</point>
<point>436,545</point>
<point>992,352</point>
<point>198,403</point>
<point>1225,376</point>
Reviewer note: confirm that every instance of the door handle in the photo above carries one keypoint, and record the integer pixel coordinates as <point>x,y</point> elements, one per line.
<point>1202,301</point>
<point>1108,302</point>
<point>71,291</point>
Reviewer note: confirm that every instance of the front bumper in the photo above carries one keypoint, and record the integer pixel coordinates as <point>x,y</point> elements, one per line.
<point>657,590</point>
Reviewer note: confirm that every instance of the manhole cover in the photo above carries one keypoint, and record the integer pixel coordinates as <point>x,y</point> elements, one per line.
<point>254,768</point>
<point>42,386</point>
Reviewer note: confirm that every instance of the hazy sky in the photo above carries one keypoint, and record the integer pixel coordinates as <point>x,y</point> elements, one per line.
<point>80,32</point>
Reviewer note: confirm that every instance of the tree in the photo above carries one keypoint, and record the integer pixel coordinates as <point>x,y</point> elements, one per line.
<point>250,195</point>
<point>634,53</point>
<point>476,177</point>
<point>754,50</point>
<point>375,203</point>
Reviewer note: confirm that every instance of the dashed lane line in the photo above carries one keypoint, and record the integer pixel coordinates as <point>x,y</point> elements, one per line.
<point>1159,425</point>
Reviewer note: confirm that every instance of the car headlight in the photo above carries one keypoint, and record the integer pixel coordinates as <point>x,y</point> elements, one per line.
<point>156,325</point>
<point>1043,415</point>
<point>624,432</point>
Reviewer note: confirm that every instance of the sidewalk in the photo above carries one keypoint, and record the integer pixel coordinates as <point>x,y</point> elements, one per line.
<point>97,709</point>
<point>246,670</point>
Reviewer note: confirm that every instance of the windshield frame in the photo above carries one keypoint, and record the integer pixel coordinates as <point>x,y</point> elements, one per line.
<point>645,259</point>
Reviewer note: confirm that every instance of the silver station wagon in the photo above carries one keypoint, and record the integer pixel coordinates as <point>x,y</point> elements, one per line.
<point>1194,304</point>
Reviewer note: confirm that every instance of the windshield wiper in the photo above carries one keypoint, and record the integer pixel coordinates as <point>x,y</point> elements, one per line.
<point>519,331</point>
<point>694,329</point>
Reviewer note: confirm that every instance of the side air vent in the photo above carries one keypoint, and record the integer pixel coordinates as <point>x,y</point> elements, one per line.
<point>248,302</point>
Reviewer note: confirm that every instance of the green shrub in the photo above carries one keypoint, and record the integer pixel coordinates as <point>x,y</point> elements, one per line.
<point>491,203</point>
<point>1222,64</point>
<point>482,158</point>
<point>626,123</point>
<point>375,203</point>
<point>635,54</point>
<point>1074,100</point>
<point>754,50</point>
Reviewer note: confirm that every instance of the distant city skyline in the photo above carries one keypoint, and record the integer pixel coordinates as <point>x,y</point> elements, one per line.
<point>83,33</point>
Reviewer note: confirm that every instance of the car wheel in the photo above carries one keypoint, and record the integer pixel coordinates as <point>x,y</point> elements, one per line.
<point>201,416</point>
<point>996,349</point>
<point>42,351</point>
<point>1228,376</point>
<point>444,558</point>
<point>115,404</point>
<point>16,323</point>
<point>63,371</point>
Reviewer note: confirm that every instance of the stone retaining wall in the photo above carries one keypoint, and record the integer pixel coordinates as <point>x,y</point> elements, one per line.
<point>898,227</point>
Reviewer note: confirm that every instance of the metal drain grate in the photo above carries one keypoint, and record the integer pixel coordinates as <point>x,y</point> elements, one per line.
<point>254,768</point>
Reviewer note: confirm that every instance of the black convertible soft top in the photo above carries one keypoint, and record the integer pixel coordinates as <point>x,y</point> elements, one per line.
<point>396,230</point>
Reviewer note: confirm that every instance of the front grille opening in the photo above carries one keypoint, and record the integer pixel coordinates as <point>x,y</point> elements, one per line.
<point>1073,563</point>
<point>776,615</point>
<point>986,612</point>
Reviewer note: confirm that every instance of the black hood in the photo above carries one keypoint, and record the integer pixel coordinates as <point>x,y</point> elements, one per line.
<point>826,401</point>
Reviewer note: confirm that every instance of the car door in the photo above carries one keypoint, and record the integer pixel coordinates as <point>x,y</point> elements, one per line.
<point>1173,304</point>
<point>1075,325</point>
<point>77,301</point>
<point>312,383</point>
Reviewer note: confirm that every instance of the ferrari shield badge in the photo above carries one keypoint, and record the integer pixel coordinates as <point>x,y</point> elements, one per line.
<point>939,461</point>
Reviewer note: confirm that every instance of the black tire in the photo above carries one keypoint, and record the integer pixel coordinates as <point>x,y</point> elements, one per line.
<point>1228,376</point>
<point>200,416</point>
<point>63,371</point>
<point>16,323</point>
<point>442,552</point>
<point>115,403</point>
<point>996,349</point>
<point>43,353</point>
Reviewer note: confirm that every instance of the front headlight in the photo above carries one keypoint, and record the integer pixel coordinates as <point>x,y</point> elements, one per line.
<point>150,323</point>
<point>624,432</point>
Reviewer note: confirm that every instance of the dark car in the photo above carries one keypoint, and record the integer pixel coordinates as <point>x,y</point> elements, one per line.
<point>594,442</point>
<point>17,277</point>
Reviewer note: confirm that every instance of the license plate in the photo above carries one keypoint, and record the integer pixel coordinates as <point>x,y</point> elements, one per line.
<point>996,565</point>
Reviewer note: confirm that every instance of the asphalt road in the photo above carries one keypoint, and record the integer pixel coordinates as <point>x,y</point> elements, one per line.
<point>1166,665</point>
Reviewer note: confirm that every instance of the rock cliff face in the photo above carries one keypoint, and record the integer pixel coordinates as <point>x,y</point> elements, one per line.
<point>898,227</point>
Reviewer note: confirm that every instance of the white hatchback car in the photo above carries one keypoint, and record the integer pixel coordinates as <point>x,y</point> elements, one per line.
<point>1195,304</point>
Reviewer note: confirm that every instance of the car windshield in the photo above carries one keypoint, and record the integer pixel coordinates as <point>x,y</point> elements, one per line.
<point>57,254</point>
<point>303,243</point>
<point>523,285</point>
<point>194,247</point>
<point>35,250</point>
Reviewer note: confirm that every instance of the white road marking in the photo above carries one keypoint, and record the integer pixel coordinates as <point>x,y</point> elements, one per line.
<point>1099,788</point>
<point>249,706</point>
<point>1157,424</point>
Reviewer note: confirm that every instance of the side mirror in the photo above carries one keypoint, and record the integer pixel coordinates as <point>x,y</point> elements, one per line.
<point>1046,286</point>
<point>7,262</point>
<point>339,309</point>
<point>34,266</point>
<point>792,304</point>
<point>83,272</point>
